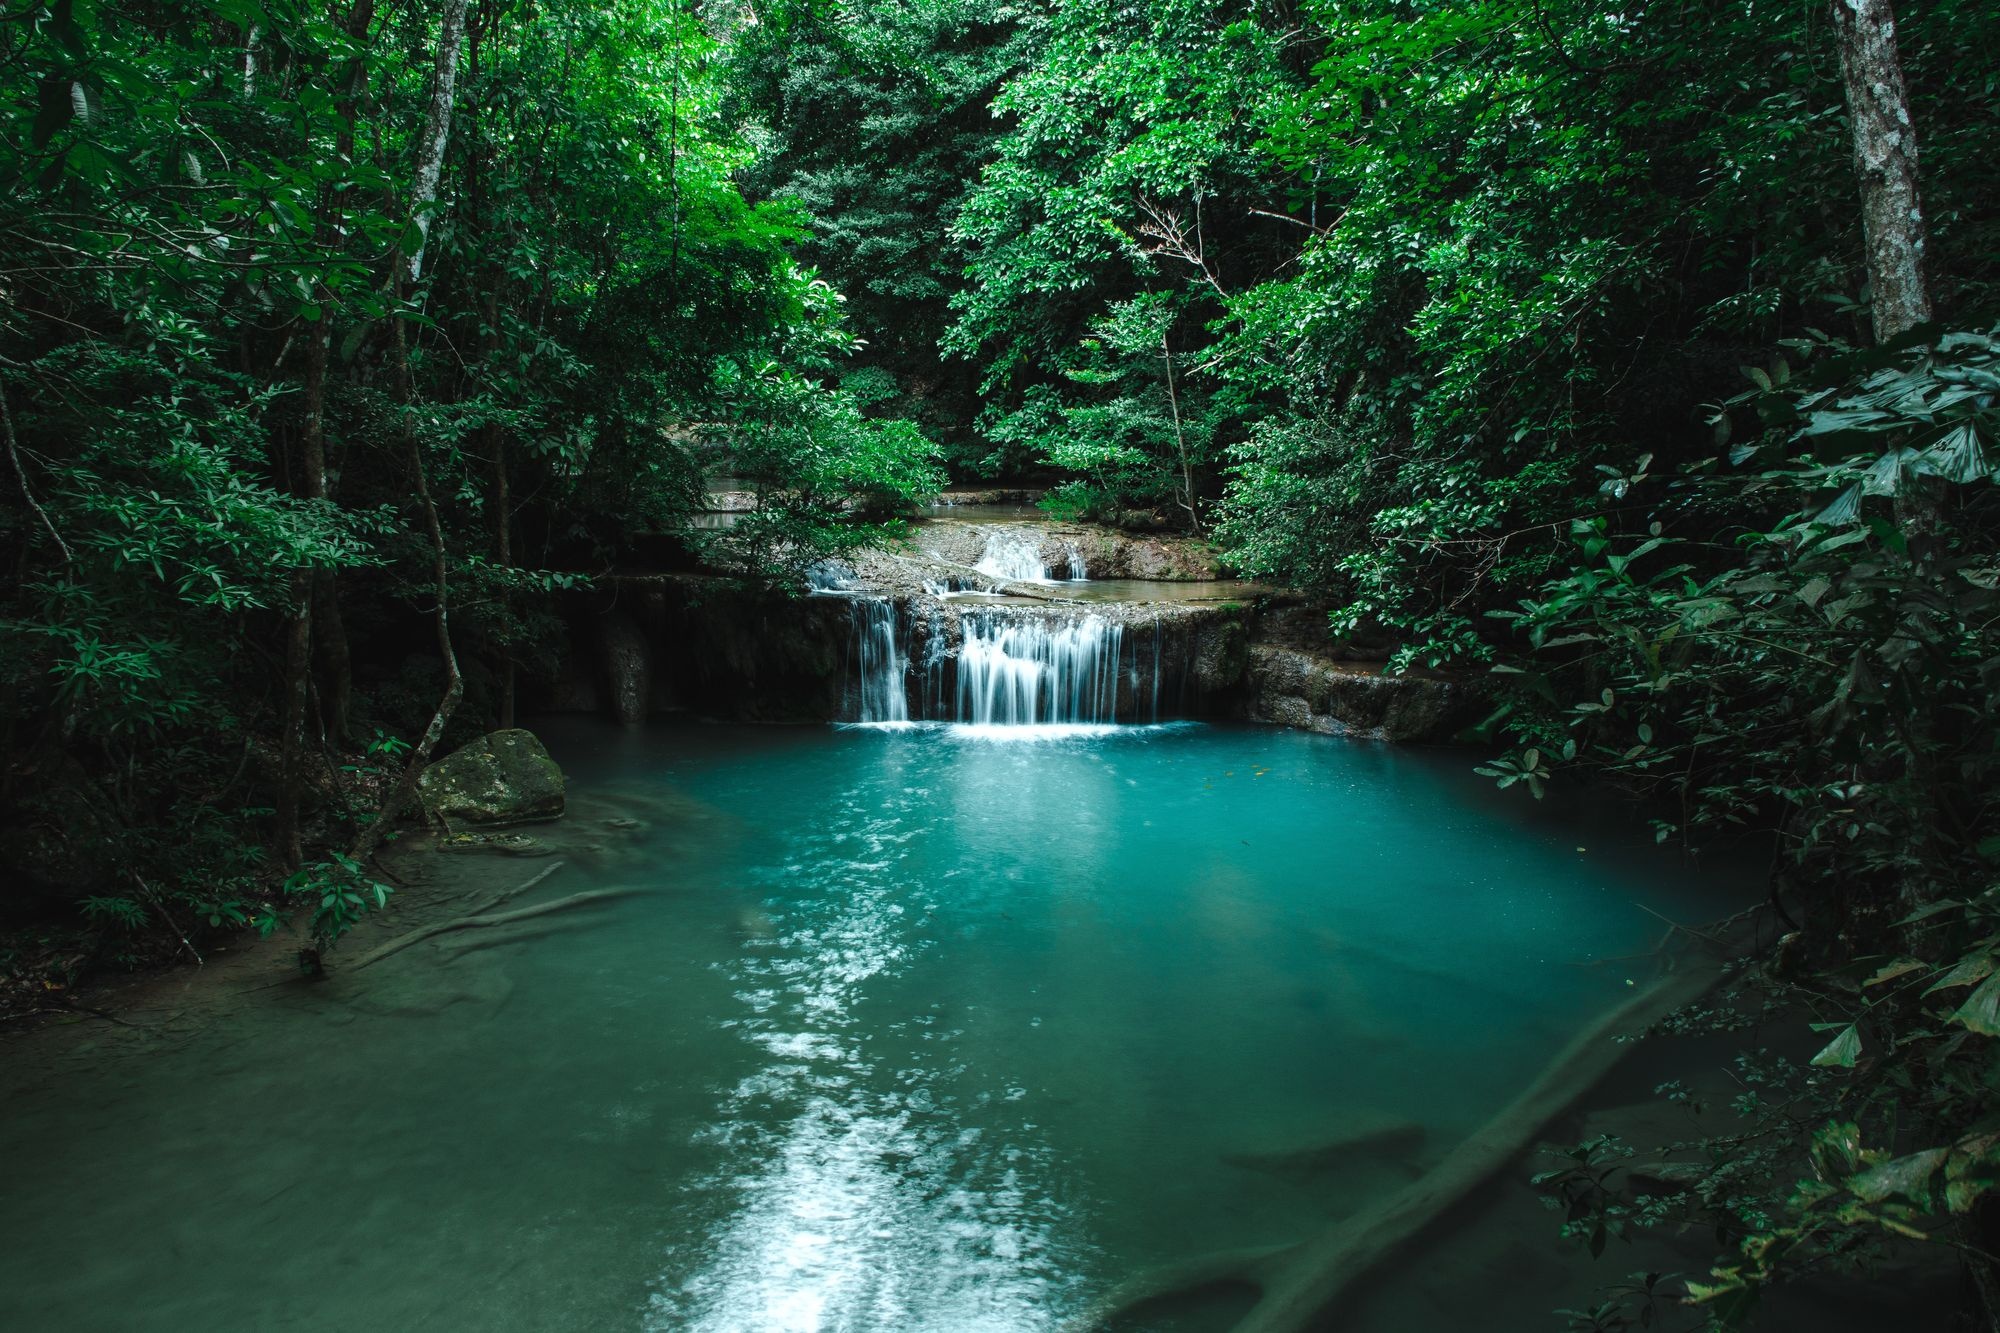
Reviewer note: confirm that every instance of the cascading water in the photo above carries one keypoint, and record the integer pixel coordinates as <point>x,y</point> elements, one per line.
<point>881,661</point>
<point>1023,670</point>
<point>1011,558</point>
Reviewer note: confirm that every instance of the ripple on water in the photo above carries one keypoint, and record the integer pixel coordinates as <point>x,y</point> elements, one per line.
<point>856,1196</point>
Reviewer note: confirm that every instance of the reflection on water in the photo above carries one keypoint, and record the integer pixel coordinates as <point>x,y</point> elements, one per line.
<point>867,1202</point>
<point>924,1029</point>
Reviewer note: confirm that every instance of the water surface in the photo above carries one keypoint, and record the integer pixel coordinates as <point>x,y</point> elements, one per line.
<point>908,1028</point>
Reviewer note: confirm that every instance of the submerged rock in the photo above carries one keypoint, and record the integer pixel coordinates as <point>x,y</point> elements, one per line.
<point>503,778</point>
<point>1366,1141</point>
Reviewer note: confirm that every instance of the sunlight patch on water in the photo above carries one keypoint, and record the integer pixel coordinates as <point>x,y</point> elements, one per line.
<point>858,1197</point>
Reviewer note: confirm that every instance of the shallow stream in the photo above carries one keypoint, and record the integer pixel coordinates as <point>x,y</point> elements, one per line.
<point>937,1028</point>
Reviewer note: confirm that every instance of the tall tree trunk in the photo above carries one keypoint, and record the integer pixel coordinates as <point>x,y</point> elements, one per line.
<point>406,269</point>
<point>370,839</point>
<point>1885,160</point>
<point>292,739</point>
<point>1892,215</point>
<point>437,134</point>
<point>336,664</point>
<point>503,558</point>
<point>250,61</point>
<point>1180,439</point>
<point>309,482</point>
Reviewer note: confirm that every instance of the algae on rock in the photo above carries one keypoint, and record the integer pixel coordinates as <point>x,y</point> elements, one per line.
<point>506,777</point>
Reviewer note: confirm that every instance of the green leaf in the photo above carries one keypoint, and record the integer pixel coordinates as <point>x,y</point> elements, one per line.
<point>1981,1011</point>
<point>1842,1051</point>
<point>1905,1176</point>
<point>1900,967</point>
<point>1970,969</point>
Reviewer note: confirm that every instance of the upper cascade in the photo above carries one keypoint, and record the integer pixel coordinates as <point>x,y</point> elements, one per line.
<point>1017,558</point>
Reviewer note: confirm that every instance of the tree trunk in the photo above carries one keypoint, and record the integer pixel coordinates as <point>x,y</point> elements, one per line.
<point>1885,160</point>
<point>437,133</point>
<point>1892,215</point>
<point>503,558</point>
<point>292,739</point>
<point>1180,440</point>
<point>336,665</point>
<point>371,837</point>
<point>430,166</point>
<point>309,482</point>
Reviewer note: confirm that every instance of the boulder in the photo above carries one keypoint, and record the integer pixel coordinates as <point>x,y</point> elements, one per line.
<point>503,778</point>
<point>1315,693</point>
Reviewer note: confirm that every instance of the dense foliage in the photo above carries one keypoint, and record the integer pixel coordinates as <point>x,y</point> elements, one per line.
<point>1536,339</point>
<point>318,320</point>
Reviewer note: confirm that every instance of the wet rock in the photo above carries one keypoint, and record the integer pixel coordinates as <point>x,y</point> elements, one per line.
<point>628,664</point>
<point>719,646</point>
<point>1221,651</point>
<point>1119,555</point>
<point>1295,688</point>
<point>1002,495</point>
<point>503,778</point>
<point>1103,553</point>
<point>507,844</point>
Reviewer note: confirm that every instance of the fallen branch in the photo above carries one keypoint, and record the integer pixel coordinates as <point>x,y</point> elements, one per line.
<point>1296,1286</point>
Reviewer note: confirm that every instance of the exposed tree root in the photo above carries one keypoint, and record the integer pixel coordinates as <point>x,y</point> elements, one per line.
<point>418,936</point>
<point>1296,1284</point>
<point>1389,1140</point>
<point>484,916</point>
<point>1251,1267</point>
<point>517,890</point>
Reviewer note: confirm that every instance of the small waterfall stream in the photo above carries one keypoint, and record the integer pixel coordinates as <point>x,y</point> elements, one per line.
<point>881,660</point>
<point>1010,666</point>
<point>1027,669</point>
<point>1001,665</point>
<point>1012,557</point>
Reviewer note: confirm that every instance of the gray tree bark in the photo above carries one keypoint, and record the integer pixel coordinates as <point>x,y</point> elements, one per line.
<point>437,133</point>
<point>1885,160</point>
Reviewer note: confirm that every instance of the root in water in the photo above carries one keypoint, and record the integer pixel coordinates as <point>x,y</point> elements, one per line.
<point>1295,1284</point>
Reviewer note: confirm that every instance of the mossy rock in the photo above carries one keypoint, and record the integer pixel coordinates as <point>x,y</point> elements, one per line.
<point>506,777</point>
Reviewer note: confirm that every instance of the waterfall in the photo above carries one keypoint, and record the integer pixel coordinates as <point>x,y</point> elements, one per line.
<point>881,661</point>
<point>1018,670</point>
<point>1012,558</point>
